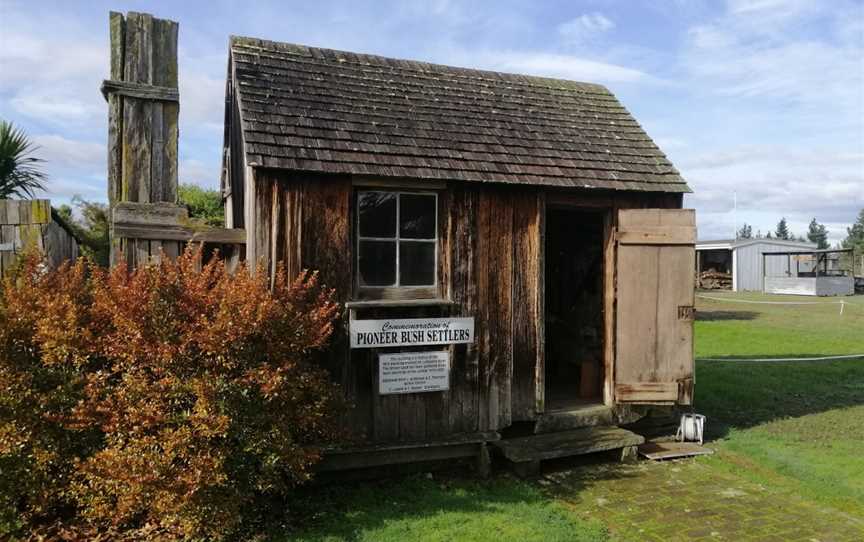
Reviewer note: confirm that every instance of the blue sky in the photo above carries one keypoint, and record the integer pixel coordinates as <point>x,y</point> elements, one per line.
<point>761,98</point>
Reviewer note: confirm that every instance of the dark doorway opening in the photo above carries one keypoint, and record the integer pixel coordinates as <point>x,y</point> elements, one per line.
<point>574,308</point>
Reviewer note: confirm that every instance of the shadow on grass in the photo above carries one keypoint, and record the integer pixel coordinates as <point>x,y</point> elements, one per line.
<point>718,315</point>
<point>741,394</point>
<point>452,505</point>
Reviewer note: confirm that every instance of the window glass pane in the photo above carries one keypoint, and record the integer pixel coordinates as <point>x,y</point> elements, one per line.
<point>377,214</point>
<point>416,263</point>
<point>377,263</point>
<point>417,216</point>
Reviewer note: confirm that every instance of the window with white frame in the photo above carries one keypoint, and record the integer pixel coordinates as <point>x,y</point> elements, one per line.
<point>397,239</point>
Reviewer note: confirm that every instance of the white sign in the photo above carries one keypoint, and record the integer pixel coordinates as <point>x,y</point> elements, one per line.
<point>411,332</point>
<point>413,372</point>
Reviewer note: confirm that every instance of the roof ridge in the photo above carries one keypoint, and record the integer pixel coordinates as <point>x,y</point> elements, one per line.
<point>511,77</point>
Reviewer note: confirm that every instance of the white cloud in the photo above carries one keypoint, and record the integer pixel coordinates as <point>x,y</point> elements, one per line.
<point>774,8</point>
<point>51,73</point>
<point>751,52</point>
<point>584,27</point>
<point>553,65</point>
<point>197,172</point>
<point>59,151</point>
<point>202,99</point>
<point>784,80</point>
<point>771,182</point>
<point>55,105</point>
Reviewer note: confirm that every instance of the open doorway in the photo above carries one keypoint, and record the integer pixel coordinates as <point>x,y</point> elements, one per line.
<point>574,308</point>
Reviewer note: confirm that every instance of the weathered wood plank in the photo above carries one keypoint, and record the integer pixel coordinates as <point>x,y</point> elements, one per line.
<point>170,136</point>
<point>167,221</point>
<point>609,306</point>
<point>24,212</point>
<point>500,311</point>
<point>232,236</point>
<point>172,249</point>
<point>385,408</point>
<point>157,154</point>
<point>165,57</point>
<point>278,227</point>
<point>13,212</point>
<point>676,290</point>
<point>263,202</point>
<point>325,241</point>
<point>249,216</point>
<point>655,299</point>
<point>566,443</point>
<point>658,235</point>
<point>646,391</point>
<point>117,26</point>
<point>487,393</point>
<point>150,214</point>
<point>144,91</point>
<point>40,211</point>
<point>137,113</point>
<point>412,417</point>
<point>526,304</point>
<point>464,358</point>
<point>142,252</point>
<point>638,276</point>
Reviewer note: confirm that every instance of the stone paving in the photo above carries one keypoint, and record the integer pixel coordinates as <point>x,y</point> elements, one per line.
<point>690,500</point>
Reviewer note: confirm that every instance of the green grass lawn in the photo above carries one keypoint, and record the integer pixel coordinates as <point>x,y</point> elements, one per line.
<point>732,329</point>
<point>796,425</point>
<point>416,508</point>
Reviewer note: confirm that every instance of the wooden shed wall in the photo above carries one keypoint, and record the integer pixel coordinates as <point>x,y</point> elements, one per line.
<point>491,238</point>
<point>26,223</point>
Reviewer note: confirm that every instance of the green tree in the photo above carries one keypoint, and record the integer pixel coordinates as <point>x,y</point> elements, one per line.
<point>90,225</point>
<point>782,231</point>
<point>855,241</point>
<point>20,172</point>
<point>855,233</point>
<point>203,204</point>
<point>818,233</point>
<point>746,232</point>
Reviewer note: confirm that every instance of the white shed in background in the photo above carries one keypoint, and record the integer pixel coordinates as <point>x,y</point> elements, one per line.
<point>736,265</point>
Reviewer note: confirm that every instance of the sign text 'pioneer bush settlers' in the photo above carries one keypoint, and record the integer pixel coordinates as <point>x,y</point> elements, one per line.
<point>411,332</point>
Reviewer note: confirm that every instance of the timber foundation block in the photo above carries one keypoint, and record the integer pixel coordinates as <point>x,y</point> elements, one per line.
<point>466,446</point>
<point>526,453</point>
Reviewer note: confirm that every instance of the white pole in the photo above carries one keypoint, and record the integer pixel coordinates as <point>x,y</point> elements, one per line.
<point>735,214</point>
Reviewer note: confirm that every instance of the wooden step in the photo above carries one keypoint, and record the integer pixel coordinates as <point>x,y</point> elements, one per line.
<point>563,420</point>
<point>581,441</point>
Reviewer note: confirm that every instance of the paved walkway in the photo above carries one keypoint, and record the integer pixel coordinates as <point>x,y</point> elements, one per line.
<point>690,500</point>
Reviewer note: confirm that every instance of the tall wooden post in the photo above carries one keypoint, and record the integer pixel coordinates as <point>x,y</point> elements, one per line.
<point>143,108</point>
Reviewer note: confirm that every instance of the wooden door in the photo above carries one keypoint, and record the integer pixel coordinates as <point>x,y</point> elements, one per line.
<point>654,309</point>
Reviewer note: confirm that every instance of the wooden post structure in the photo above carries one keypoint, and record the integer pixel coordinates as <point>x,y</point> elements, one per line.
<point>143,109</point>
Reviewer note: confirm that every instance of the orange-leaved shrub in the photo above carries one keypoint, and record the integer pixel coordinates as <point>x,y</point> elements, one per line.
<point>170,400</point>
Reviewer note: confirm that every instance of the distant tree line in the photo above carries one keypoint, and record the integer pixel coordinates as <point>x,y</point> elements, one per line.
<point>816,233</point>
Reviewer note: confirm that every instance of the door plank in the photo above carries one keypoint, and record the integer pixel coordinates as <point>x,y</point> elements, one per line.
<point>654,327</point>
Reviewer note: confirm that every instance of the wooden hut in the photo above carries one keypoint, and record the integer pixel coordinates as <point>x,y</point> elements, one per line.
<point>512,255</point>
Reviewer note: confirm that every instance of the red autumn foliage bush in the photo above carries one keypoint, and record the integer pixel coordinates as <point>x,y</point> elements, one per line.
<point>171,400</point>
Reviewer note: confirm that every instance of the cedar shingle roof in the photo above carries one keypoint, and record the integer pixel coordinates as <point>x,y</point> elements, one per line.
<point>331,111</point>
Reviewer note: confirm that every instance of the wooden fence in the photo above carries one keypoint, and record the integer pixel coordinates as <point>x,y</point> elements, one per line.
<point>31,223</point>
